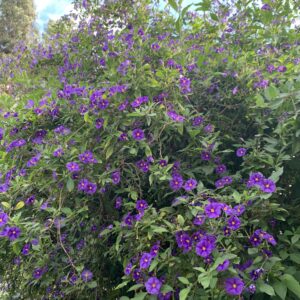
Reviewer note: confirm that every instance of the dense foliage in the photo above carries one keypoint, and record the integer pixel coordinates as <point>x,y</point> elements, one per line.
<point>16,22</point>
<point>150,154</point>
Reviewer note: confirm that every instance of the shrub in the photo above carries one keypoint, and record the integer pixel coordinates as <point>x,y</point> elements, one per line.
<point>143,156</point>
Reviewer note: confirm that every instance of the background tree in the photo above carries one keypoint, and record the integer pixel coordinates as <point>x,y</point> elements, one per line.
<point>16,22</point>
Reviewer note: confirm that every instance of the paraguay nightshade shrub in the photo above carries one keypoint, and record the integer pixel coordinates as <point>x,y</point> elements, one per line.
<point>149,154</point>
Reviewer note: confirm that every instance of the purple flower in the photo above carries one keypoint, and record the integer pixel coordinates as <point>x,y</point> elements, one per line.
<point>145,260</point>
<point>281,69</point>
<point>1,133</point>
<point>155,46</point>
<point>3,218</point>
<point>33,161</point>
<point>163,163</point>
<point>255,274</point>
<point>190,184</point>
<point>58,152</point>
<point>73,167</point>
<point>128,219</point>
<point>87,157</point>
<point>116,177</point>
<point>185,85</point>
<point>86,275</point>
<point>154,250</point>
<point>137,276</point>
<point>118,202</point>
<point>234,223</point>
<point>13,233</point>
<point>175,117</point>
<point>227,180</point>
<point>90,188</point>
<point>141,205</point>
<point>220,169</point>
<point>224,266</point>
<point>143,165</point>
<point>267,186</point>
<point>219,183</point>
<point>37,273</point>
<point>252,288</point>
<point>255,240</point>
<point>26,249</point>
<point>184,241</point>
<point>234,286</point>
<point>102,104</point>
<point>270,239</point>
<point>255,179</point>
<point>128,269</point>
<point>99,123</point>
<point>30,200</point>
<point>138,134</point>
<point>176,182</point>
<point>266,6</point>
<point>238,210</point>
<point>205,247</point>
<point>227,209</point>
<point>241,152</point>
<point>139,101</point>
<point>205,155</point>
<point>197,121</point>
<point>82,184</point>
<point>199,219</point>
<point>153,286</point>
<point>226,231</point>
<point>213,210</point>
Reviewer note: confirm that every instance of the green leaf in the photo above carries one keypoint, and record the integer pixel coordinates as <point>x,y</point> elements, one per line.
<point>280,289</point>
<point>184,280</point>
<point>135,287</point>
<point>109,151</point>
<point>87,118</point>
<point>204,280</point>
<point>291,283</point>
<point>276,175</point>
<point>259,101</point>
<point>166,288</point>
<point>70,185</point>
<point>184,293</point>
<point>5,204</point>
<point>121,285</point>
<point>180,220</point>
<point>67,211</point>
<point>139,296</point>
<point>271,92</point>
<point>92,284</point>
<point>19,205</point>
<point>266,288</point>
<point>295,257</point>
<point>159,229</point>
<point>173,4</point>
<point>295,238</point>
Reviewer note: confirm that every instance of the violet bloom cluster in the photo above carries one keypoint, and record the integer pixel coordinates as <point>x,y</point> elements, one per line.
<point>139,101</point>
<point>259,236</point>
<point>87,157</point>
<point>185,85</point>
<point>175,117</point>
<point>87,187</point>
<point>265,185</point>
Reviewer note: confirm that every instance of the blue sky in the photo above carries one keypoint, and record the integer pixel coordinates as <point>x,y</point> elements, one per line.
<point>54,9</point>
<point>51,9</point>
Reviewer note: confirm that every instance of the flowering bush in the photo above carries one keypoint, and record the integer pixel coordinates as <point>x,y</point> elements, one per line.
<point>142,157</point>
